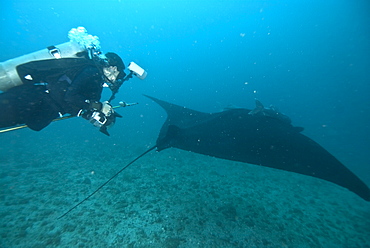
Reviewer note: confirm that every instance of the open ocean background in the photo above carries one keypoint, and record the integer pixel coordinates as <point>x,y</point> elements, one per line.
<point>311,59</point>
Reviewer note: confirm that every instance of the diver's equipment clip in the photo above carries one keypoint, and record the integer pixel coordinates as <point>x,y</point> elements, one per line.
<point>54,52</point>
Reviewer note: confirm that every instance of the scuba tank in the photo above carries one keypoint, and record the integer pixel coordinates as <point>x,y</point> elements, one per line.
<point>8,73</point>
<point>80,43</point>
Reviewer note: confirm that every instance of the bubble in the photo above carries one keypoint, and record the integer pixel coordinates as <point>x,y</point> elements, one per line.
<point>84,39</point>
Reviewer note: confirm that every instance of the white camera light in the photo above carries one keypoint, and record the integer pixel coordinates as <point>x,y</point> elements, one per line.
<point>137,70</point>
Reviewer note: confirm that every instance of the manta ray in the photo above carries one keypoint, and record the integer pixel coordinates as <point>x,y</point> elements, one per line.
<point>261,136</point>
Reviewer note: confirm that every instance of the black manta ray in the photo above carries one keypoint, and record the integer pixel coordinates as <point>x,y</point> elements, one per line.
<point>257,137</point>
<point>261,136</point>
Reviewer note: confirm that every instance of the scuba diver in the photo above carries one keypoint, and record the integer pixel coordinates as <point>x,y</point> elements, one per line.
<point>46,89</point>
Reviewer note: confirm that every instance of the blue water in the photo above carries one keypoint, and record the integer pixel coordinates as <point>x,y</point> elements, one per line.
<point>311,59</point>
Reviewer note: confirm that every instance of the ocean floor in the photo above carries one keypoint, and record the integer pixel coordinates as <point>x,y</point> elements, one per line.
<point>169,199</point>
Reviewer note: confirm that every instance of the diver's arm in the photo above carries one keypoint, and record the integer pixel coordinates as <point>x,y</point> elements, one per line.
<point>84,90</point>
<point>83,98</point>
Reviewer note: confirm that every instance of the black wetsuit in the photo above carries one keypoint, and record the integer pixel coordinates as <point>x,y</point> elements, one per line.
<point>57,87</point>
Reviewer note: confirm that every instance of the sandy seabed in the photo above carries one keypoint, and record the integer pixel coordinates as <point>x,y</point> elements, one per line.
<point>171,199</point>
